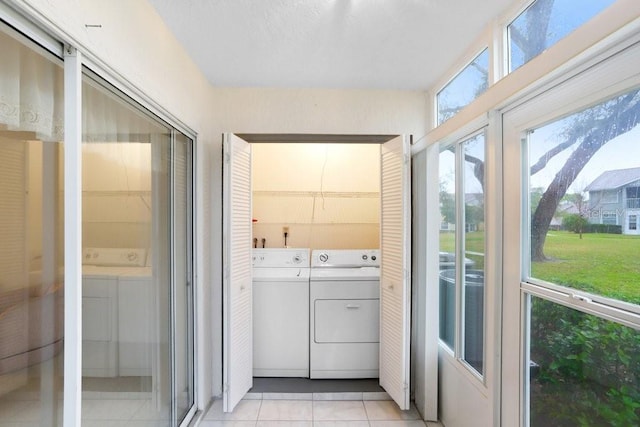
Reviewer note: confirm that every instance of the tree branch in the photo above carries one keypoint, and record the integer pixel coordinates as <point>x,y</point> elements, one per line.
<point>546,157</point>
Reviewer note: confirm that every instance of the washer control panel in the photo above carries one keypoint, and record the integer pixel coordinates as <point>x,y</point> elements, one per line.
<point>280,257</point>
<point>345,258</point>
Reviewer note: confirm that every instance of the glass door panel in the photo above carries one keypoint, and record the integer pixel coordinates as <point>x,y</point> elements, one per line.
<point>127,258</point>
<point>182,276</point>
<point>31,234</point>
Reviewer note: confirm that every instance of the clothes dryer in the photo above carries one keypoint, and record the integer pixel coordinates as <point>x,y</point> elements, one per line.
<point>344,306</point>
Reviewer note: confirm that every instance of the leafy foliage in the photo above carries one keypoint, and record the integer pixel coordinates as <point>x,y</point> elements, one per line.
<point>575,223</point>
<point>589,369</point>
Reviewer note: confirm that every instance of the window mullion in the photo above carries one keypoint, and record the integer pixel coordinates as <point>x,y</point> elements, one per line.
<point>460,250</point>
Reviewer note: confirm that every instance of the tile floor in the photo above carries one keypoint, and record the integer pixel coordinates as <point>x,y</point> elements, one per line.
<point>313,413</point>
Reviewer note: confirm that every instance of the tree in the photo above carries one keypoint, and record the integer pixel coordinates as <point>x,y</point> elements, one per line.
<point>575,223</point>
<point>588,131</point>
<point>447,206</point>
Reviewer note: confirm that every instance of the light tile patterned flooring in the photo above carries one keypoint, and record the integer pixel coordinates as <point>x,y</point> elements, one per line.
<point>313,413</point>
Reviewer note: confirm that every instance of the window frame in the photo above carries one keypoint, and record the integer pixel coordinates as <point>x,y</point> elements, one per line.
<point>457,352</point>
<point>611,76</point>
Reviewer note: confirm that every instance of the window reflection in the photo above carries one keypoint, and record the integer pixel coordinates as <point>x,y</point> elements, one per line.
<point>126,277</point>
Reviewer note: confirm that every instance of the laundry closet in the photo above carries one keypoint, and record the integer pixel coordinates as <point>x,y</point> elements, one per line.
<point>310,209</point>
<point>316,210</point>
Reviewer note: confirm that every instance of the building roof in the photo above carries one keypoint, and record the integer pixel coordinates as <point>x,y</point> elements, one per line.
<point>611,180</point>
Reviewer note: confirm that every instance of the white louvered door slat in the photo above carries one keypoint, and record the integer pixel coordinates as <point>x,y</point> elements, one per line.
<point>13,213</point>
<point>395,286</point>
<point>237,280</point>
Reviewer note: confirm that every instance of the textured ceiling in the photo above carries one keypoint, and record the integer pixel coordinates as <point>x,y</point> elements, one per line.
<point>363,44</point>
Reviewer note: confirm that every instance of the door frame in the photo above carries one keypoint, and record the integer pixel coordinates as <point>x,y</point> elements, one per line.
<point>315,138</point>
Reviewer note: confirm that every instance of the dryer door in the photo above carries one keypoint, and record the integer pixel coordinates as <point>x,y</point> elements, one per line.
<point>395,286</point>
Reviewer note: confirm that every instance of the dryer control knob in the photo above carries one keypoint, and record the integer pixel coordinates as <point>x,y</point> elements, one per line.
<point>297,259</point>
<point>323,257</point>
<point>365,257</point>
<point>373,257</point>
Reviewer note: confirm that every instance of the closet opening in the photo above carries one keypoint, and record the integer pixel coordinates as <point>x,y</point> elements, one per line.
<point>311,209</point>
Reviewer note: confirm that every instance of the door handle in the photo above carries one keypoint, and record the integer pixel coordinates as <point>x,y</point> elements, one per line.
<point>353,306</point>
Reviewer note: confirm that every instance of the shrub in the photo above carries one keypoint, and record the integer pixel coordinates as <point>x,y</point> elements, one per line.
<point>574,222</point>
<point>603,229</point>
<point>589,369</point>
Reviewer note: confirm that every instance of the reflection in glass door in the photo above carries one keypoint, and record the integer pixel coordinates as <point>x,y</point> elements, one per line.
<point>182,277</point>
<point>32,283</point>
<point>137,299</point>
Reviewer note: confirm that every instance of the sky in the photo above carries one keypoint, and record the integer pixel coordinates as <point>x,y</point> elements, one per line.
<point>620,153</point>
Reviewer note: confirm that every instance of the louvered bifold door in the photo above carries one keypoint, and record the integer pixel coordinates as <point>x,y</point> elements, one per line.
<point>237,300</point>
<point>395,286</point>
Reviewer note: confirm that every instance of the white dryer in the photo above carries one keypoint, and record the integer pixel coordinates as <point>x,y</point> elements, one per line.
<point>344,305</point>
<point>281,313</point>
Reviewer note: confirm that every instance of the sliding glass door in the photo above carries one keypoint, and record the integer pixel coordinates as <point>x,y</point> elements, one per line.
<point>137,263</point>
<point>32,285</point>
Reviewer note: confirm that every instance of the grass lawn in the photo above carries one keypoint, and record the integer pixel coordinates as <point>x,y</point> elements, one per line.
<point>604,264</point>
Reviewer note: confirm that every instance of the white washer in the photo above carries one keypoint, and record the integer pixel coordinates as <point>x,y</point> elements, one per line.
<point>281,313</point>
<point>345,313</point>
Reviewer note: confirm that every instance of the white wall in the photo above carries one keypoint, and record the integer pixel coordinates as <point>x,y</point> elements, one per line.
<point>326,194</point>
<point>318,111</point>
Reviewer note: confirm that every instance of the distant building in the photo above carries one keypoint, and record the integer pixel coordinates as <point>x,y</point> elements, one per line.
<point>614,198</point>
<point>564,208</point>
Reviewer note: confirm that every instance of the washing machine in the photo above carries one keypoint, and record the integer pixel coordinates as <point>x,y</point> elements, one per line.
<point>281,312</point>
<point>344,304</point>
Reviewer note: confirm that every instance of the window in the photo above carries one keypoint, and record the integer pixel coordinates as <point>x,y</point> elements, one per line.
<point>448,249</point>
<point>584,150</point>
<point>462,266</point>
<point>609,218</point>
<point>633,197</point>
<point>610,196</point>
<point>544,23</point>
<point>466,86</point>
<point>584,368</point>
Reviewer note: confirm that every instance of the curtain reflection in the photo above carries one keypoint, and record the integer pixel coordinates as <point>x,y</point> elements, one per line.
<point>31,220</point>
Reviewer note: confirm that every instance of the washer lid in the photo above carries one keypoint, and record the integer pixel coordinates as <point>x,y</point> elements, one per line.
<point>345,274</point>
<point>280,274</point>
